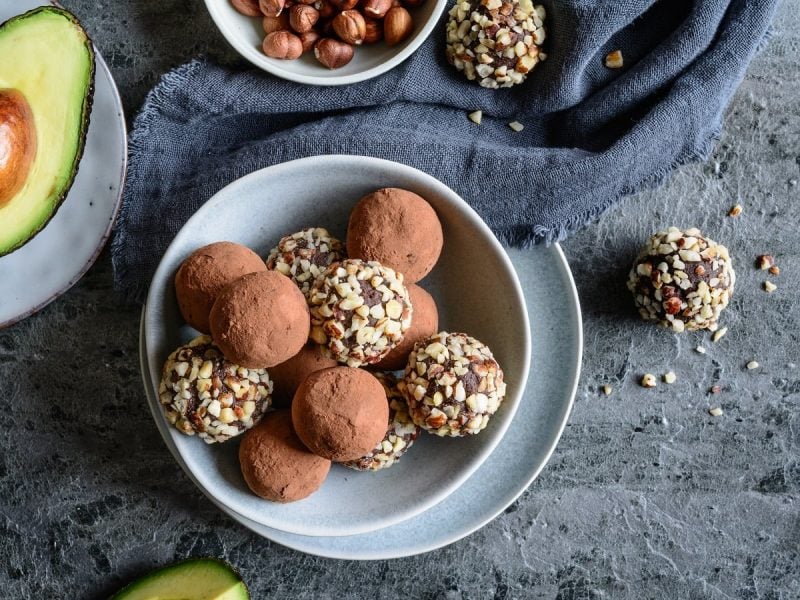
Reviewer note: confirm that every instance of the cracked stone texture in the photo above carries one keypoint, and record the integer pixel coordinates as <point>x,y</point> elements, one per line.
<point>647,496</point>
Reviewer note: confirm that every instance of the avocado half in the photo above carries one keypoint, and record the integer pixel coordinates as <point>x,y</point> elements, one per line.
<point>46,87</point>
<point>193,579</point>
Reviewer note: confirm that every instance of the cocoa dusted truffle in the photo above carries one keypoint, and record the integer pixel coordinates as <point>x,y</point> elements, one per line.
<point>495,42</point>
<point>288,375</point>
<point>204,393</point>
<point>424,323</point>
<point>399,437</point>
<point>340,413</point>
<point>397,228</point>
<point>452,384</point>
<point>260,320</point>
<point>275,463</point>
<point>682,280</point>
<point>304,255</point>
<point>359,311</point>
<point>203,275</point>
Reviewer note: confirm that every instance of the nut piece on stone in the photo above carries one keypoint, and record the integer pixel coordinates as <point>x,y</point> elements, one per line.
<point>247,7</point>
<point>282,44</point>
<point>614,60</point>
<point>682,280</point>
<point>670,377</point>
<point>769,287</point>
<point>648,380</point>
<point>765,261</point>
<point>302,18</point>
<point>374,31</point>
<point>376,9</point>
<point>397,25</point>
<point>476,116</point>
<point>271,8</point>
<point>735,211</point>
<point>333,53</point>
<point>350,26</point>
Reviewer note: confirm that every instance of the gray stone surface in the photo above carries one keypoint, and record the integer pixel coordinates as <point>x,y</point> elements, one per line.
<point>647,496</point>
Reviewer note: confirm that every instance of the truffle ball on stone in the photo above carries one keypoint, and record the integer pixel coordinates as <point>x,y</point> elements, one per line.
<point>452,384</point>
<point>397,228</point>
<point>424,323</point>
<point>359,311</point>
<point>275,463</point>
<point>340,413</point>
<point>204,393</point>
<point>260,320</point>
<point>203,275</point>
<point>288,375</point>
<point>682,280</point>
<point>304,255</point>
<point>399,437</point>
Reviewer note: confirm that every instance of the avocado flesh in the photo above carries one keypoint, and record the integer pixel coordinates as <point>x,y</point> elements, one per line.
<point>48,58</point>
<point>193,579</point>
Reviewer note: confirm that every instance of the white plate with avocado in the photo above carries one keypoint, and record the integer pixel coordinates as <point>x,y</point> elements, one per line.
<point>62,155</point>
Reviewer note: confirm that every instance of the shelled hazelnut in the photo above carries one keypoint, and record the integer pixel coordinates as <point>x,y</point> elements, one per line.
<point>333,53</point>
<point>308,39</point>
<point>271,8</point>
<point>397,25</point>
<point>373,31</point>
<point>302,17</point>
<point>247,7</point>
<point>376,9</point>
<point>350,26</point>
<point>282,44</point>
<point>271,24</point>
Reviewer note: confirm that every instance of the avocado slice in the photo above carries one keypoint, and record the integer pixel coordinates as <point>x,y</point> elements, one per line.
<point>46,86</point>
<point>193,579</point>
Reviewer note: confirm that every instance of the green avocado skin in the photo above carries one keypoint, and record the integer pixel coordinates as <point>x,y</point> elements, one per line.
<point>192,579</point>
<point>26,231</point>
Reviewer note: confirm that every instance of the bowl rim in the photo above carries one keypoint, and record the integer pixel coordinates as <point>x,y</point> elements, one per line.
<point>274,67</point>
<point>511,402</point>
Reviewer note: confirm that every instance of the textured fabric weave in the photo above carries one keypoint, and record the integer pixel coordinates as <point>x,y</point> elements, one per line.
<point>592,134</point>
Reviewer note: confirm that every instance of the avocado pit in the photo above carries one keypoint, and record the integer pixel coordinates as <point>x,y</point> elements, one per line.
<point>17,143</point>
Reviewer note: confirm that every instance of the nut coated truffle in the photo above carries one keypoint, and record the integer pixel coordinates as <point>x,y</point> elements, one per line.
<point>340,413</point>
<point>397,228</point>
<point>399,437</point>
<point>359,311</point>
<point>203,275</point>
<point>275,463</point>
<point>682,280</point>
<point>495,42</point>
<point>424,323</point>
<point>260,320</point>
<point>204,393</point>
<point>304,255</point>
<point>287,376</point>
<point>452,384</point>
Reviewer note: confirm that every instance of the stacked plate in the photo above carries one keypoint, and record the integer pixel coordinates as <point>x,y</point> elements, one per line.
<point>443,489</point>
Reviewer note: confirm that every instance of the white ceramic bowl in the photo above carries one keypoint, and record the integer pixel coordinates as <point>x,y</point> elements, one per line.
<point>246,35</point>
<point>476,289</point>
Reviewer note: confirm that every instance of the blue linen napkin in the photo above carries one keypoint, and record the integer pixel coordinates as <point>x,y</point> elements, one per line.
<point>591,135</point>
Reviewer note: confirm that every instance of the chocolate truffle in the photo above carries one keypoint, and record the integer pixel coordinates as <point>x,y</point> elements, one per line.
<point>399,437</point>
<point>260,320</point>
<point>359,311</point>
<point>495,42</point>
<point>204,393</point>
<point>287,376</point>
<point>452,384</point>
<point>424,323</point>
<point>397,228</point>
<point>304,255</point>
<point>340,413</point>
<point>203,275</point>
<point>275,463</point>
<point>682,280</point>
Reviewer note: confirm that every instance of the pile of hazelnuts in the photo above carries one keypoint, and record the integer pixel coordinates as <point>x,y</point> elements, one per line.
<point>331,28</point>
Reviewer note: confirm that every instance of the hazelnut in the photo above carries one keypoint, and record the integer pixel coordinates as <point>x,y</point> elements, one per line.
<point>326,9</point>
<point>333,53</point>
<point>271,8</point>
<point>350,26</point>
<point>271,24</point>
<point>376,9</point>
<point>343,4</point>
<point>374,31</point>
<point>247,7</point>
<point>397,25</point>
<point>282,44</point>
<point>302,18</point>
<point>308,39</point>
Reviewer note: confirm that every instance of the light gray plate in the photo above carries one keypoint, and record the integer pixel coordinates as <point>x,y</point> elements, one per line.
<point>530,440</point>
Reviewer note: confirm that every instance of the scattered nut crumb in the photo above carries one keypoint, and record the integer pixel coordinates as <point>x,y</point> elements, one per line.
<point>765,261</point>
<point>718,334</point>
<point>715,389</point>
<point>715,412</point>
<point>614,59</point>
<point>607,389</point>
<point>516,126</point>
<point>735,211</point>
<point>670,377</point>
<point>752,365</point>
<point>775,270</point>
<point>648,381</point>
<point>476,117</point>
<point>700,350</point>
<point>769,287</point>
